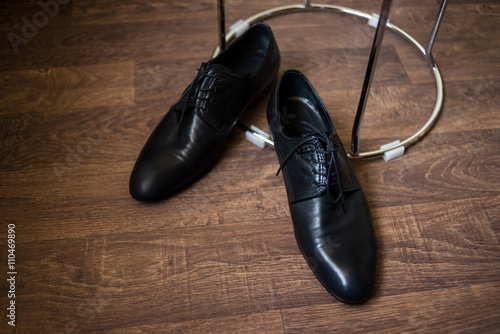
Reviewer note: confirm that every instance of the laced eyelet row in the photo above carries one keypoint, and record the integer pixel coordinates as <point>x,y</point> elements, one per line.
<point>193,91</point>
<point>332,174</point>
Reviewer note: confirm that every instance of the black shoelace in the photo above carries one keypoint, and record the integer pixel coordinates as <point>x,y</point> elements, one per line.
<point>333,174</point>
<point>193,98</point>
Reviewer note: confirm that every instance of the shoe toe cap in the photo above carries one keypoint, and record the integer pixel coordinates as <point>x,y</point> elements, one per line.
<point>155,178</point>
<point>142,186</point>
<point>350,279</point>
<point>352,287</point>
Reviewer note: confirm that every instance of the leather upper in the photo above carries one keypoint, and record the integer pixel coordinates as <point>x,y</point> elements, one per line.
<point>190,136</point>
<point>330,214</point>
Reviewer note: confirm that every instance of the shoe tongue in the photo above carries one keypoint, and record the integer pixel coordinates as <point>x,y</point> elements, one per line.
<point>211,64</point>
<point>314,140</point>
<point>219,67</point>
<point>310,134</point>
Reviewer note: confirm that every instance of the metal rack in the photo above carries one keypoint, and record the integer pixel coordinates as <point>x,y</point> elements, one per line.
<point>381,26</point>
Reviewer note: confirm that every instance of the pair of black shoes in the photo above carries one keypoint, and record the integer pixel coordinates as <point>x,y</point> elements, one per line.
<point>331,218</point>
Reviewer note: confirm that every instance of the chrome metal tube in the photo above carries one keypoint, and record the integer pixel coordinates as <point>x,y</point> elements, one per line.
<point>370,71</point>
<point>307,6</point>
<point>434,31</point>
<point>222,24</point>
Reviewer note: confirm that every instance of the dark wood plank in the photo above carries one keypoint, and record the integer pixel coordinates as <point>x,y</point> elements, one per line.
<point>462,66</point>
<point>245,323</point>
<point>241,268</point>
<point>68,87</point>
<point>79,100</point>
<point>43,16</point>
<point>247,176</point>
<point>88,12</point>
<point>117,43</point>
<point>436,311</point>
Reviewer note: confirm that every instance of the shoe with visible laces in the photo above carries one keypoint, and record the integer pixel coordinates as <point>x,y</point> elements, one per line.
<point>330,214</point>
<point>190,136</point>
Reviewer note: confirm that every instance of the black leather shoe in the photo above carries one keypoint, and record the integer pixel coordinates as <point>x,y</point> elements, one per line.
<point>190,136</point>
<point>331,218</point>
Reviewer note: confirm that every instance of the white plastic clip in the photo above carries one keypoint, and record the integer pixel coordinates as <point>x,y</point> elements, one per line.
<point>240,27</point>
<point>257,137</point>
<point>373,20</point>
<point>394,153</point>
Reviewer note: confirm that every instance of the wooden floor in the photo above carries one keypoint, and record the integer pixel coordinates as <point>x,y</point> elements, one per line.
<point>85,89</point>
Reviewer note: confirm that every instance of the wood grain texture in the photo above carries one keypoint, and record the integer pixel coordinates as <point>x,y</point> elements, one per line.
<point>80,98</point>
